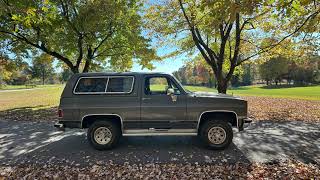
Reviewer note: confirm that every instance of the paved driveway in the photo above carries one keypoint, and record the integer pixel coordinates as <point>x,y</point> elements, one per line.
<point>39,142</point>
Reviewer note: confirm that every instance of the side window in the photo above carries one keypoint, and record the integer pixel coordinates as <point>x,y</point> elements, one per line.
<point>120,85</point>
<point>156,85</point>
<point>91,85</point>
<point>159,85</point>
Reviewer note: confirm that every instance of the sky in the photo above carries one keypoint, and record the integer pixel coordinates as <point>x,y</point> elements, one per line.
<point>167,65</point>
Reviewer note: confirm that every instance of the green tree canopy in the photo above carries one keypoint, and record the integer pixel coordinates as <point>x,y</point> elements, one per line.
<point>274,69</point>
<point>42,67</point>
<point>82,34</point>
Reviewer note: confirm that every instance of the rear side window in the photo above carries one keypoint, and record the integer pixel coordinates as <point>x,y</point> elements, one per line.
<point>102,85</point>
<point>120,84</point>
<point>91,85</point>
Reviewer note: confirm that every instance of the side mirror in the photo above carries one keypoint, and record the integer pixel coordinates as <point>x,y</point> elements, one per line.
<point>170,91</point>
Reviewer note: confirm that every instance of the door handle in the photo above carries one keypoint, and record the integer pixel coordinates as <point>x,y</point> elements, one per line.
<point>174,97</point>
<point>145,99</point>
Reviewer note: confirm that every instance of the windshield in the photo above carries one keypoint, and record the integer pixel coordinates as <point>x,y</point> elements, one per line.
<point>179,83</point>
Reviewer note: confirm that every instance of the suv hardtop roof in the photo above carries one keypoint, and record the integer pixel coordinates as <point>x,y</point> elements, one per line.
<point>119,73</point>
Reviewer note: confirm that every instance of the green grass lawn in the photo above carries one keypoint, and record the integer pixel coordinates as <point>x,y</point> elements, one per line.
<point>9,87</point>
<point>309,92</point>
<point>49,95</point>
<point>15,87</point>
<point>42,97</point>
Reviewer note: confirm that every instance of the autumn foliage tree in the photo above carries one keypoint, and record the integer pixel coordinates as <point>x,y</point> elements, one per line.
<point>195,72</point>
<point>229,32</point>
<point>81,34</point>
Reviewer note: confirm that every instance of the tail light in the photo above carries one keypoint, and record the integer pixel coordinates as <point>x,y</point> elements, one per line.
<point>60,113</point>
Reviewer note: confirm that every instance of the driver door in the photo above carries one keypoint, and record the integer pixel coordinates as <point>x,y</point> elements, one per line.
<point>159,110</point>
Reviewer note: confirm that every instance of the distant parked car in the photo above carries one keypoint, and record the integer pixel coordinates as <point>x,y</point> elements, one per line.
<point>112,105</point>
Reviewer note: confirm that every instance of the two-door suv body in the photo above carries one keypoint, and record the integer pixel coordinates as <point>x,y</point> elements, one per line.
<point>112,105</point>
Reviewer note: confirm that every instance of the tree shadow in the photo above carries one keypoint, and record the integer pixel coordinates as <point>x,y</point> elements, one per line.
<point>241,88</point>
<point>36,113</point>
<point>281,86</point>
<point>269,140</point>
<point>40,143</point>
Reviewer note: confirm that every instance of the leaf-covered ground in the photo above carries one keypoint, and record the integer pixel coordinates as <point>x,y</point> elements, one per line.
<point>280,170</point>
<point>266,108</point>
<point>260,108</point>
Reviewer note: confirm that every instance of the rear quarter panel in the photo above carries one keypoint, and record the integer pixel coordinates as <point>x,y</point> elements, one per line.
<point>76,106</point>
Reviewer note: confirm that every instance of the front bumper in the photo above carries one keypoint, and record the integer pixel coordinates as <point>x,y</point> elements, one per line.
<point>244,121</point>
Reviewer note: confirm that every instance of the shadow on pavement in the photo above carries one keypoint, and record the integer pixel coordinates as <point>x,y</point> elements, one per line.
<point>40,143</point>
<point>75,150</point>
<point>268,140</point>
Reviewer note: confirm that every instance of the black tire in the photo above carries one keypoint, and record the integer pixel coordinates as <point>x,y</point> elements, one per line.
<point>204,130</point>
<point>112,127</point>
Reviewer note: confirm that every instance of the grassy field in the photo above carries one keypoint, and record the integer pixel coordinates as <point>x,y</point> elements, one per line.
<point>41,97</point>
<point>13,87</point>
<point>48,96</point>
<point>309,92</point>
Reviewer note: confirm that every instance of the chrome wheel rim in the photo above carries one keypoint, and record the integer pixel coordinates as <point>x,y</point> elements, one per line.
<point>102,135</point>
<point>217,135</point>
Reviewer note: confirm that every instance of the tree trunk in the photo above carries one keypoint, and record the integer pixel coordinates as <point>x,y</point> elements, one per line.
<point>43,75</point>
<point>88,60</point>
<point>75,69</point>
<point>86,66</point>
<point>222,87</point>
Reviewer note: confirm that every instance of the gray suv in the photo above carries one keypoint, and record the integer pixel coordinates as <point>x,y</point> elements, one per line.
<point>112,105</point>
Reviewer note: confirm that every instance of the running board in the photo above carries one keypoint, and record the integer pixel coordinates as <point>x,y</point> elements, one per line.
<point>160,132</point>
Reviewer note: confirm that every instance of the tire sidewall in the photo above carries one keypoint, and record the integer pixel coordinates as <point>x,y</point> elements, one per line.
<point>111,126</point>
<point>216,123</point>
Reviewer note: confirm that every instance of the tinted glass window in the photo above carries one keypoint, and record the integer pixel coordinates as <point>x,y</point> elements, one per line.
<point>94,85</point>
<point>159,85</point>
<point>120,84</point>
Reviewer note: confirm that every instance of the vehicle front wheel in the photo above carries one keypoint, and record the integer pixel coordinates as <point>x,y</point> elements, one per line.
<point>103,135</point>
<point>216,134</point>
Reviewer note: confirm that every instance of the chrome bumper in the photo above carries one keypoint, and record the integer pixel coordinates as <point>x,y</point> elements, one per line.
<point>59,126</point>
<point>244,121</point>
<point>247,120</point>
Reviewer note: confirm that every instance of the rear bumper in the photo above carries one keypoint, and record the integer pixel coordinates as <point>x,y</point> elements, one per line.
<point>61,125</point>
<point>242,122</point>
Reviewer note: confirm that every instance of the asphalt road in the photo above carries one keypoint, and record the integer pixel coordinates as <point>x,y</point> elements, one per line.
<point>40,143</point>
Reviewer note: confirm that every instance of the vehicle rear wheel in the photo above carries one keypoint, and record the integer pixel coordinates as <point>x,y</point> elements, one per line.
<point>216,134</point>
<point>103,135</point>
